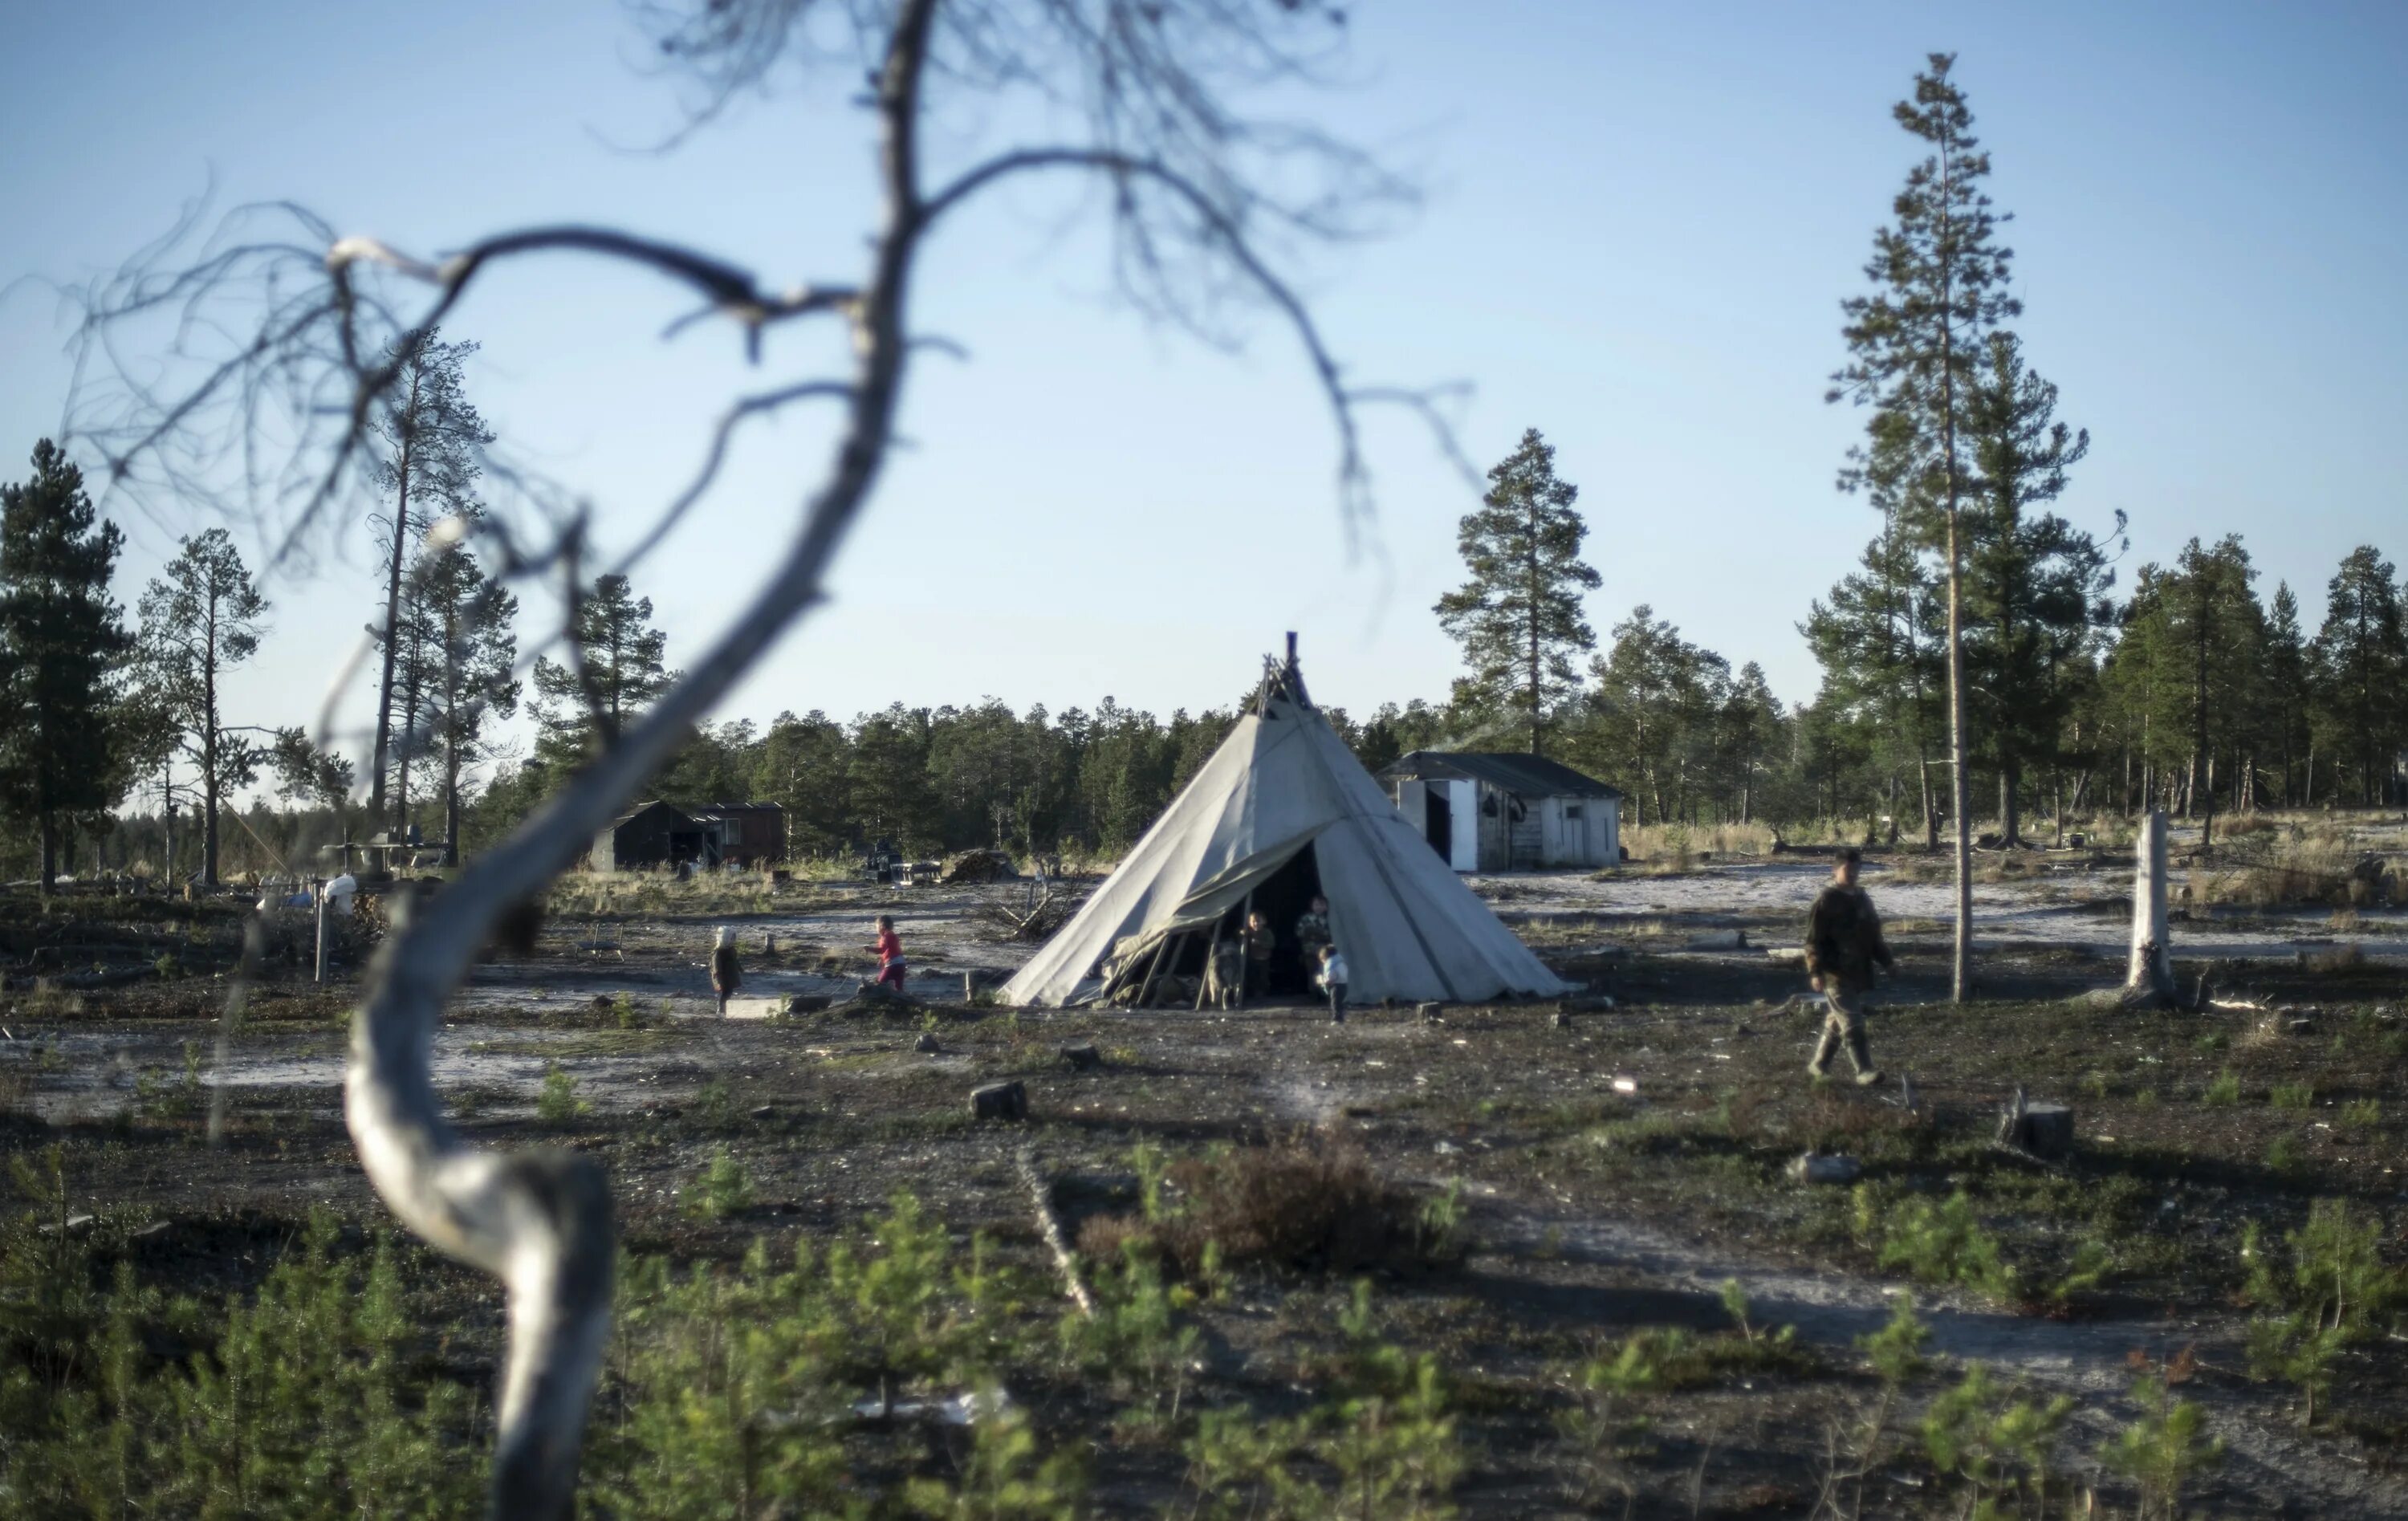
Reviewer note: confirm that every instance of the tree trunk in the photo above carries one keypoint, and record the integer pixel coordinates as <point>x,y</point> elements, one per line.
<point>393,600</point>
<point>50,829</point>
<point>1960,963</point>
<point>2151,969</point>
<point>209,749</point>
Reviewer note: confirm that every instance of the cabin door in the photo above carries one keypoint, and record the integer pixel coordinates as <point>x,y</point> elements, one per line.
<point>1437,823</point>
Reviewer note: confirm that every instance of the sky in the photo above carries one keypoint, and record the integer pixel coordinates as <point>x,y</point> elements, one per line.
<point>1635,224</point>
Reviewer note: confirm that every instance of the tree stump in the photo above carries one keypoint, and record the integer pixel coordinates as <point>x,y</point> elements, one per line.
<point>1813,1168</point>
<point>2041,1130</point>
<point>927,1044</point>
<point>808,1003</point>
<point>999,1101</point>
<point>1082,1059</point>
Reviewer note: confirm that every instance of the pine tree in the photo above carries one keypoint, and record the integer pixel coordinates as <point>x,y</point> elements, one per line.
<point>473,680</point>
<point>308,775</point>
<point>2034,584</point>
<point>2288,675</point>
<point>1518,616</point>
<point>200,620</point>
<point>1657,698</point>
<point>2362,662</point>
<point>62,639</point>
<point>432,435</point>
<point>1879,639</point>
<point>584,707</point>
<point>1941,278</point>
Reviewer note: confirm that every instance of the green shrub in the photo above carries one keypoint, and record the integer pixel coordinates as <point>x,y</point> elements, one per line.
<point>302,1402</point>
<point>2360,1113</point>
<point>2226,1089</point>
<point>2163,1450</point>
<point>1937,1243</point>
<point>2330,1290</point>
<point>2293,1095</point>
<point>556,1102</point>
<point>724,1187</point>
<point>1995,1443</point>
<point>1384,1435</point>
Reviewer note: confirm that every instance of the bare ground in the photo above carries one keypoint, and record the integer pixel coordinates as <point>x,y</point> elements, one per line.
<point>1618,1171</point>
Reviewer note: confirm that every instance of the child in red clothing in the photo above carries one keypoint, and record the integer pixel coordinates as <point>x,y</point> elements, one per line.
<point>889,947</point>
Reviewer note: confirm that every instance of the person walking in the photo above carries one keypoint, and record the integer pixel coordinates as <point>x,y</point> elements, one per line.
<point>1843,943</point>
<point>1333,981</point>
<point>889,947</point>
<point>726,975</point>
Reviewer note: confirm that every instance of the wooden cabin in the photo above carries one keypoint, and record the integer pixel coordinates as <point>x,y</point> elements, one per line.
<point>1496,811</point>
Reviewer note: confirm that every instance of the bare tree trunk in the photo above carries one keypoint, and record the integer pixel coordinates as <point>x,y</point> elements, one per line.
<point>1960,962</point>
<point>50,851</point>
<point>2150,972</point>
<point>392,599</point>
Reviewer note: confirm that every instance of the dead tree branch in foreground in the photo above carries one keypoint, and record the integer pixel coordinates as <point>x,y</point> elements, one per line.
<point>1183,177</point>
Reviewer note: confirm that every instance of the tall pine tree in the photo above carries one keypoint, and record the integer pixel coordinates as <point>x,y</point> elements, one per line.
<point>62,642</point>
<point>202,618</point>
<point>583,706</point>
<point>1939,277</point>
<point>431,437</point>
<point>2361,661</point>
<point>2035,586</point>
<point>1518,615</point>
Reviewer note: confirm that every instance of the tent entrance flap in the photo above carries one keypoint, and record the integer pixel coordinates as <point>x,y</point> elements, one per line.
<point>1180,945</point>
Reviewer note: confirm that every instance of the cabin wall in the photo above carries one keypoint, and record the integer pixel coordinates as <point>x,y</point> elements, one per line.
<point>1495,808</point>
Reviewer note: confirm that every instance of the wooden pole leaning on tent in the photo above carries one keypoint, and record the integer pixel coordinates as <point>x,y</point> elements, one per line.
<point>1212,960</point>
<point>1153,969</point>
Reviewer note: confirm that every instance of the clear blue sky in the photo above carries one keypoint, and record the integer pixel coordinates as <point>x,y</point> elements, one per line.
<point>1639,220</point>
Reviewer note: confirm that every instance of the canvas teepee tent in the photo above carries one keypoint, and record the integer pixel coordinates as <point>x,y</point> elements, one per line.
<point>1282,810</point>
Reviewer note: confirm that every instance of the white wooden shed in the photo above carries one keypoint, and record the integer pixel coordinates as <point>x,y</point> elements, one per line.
<point>1496,811</point>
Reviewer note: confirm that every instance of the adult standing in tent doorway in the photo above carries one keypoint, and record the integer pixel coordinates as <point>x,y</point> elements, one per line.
<point>1843,943</point>
<point>1312,932</point>
<point>1262,941</point>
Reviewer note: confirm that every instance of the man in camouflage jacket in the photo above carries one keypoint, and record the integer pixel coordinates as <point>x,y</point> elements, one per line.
<point>1843,943</point>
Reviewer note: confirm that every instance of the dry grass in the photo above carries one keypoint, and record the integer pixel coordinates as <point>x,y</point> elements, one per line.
<point>2279,868</point>
<point>1310,1204</point>
<point>1682,846</point>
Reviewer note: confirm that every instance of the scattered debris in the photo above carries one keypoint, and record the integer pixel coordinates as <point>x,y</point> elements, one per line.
<point>1818,1167</point>
<point>1626,1084</point>
<point>1049,1227</point>
<point>970,867</point>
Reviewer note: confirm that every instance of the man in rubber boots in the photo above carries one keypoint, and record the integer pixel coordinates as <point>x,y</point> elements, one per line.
<point>1843,942</point>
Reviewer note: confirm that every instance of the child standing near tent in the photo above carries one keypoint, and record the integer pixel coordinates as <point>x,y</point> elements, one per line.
<point>889,947</point>
<point>1333,978</point>
<point>726,975</point>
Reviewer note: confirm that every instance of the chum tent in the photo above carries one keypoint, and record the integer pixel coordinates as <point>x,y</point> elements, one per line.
<point>1281,812</point>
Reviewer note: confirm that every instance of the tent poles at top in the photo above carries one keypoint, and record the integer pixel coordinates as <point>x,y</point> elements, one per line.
<point>1212,955</point>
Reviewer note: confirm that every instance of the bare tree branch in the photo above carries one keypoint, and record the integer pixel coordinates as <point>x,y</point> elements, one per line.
<point>1178,163</point>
